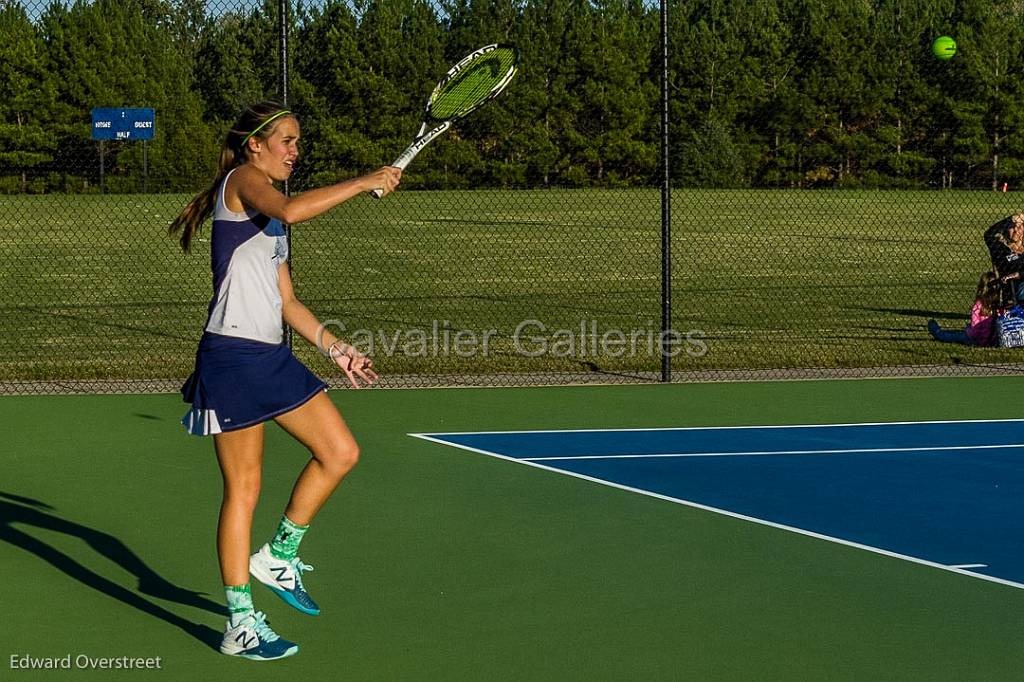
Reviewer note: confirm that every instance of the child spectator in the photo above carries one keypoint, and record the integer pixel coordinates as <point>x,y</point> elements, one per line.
<point>981,330</point>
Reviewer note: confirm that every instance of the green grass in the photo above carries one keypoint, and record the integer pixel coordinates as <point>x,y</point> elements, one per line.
<point>92,288</point>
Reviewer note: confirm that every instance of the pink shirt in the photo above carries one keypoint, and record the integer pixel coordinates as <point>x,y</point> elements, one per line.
<point>981,330</point>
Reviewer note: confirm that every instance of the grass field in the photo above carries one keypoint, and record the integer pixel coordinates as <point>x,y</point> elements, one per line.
<point>90,286</point>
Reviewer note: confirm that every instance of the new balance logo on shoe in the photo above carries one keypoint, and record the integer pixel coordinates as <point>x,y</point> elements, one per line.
<point>246,640</point>
<point>280,572</point>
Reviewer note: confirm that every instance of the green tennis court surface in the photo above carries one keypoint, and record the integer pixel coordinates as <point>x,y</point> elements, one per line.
<point>435,563</point>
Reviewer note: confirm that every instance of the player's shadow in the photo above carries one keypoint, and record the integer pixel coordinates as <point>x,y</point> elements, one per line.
<point>23,511</point>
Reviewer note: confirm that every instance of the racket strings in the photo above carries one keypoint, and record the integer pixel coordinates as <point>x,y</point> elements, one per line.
<point>474,84</point>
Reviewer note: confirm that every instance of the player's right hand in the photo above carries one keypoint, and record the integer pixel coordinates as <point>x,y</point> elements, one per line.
<point>385,179</point>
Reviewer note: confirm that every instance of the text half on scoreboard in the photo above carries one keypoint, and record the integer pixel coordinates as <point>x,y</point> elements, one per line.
<point>123,124</point>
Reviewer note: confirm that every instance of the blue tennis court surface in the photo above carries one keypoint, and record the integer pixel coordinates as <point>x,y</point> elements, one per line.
<point>947,494</point>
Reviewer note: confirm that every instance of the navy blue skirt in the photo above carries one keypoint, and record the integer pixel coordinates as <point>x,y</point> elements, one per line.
<point>239,382</point>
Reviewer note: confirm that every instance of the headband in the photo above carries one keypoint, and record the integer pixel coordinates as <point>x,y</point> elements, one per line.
<point>263,125</point>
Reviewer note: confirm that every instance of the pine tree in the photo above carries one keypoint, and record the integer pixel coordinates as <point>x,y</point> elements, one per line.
<point>26,102</point>
<point>988,103</point>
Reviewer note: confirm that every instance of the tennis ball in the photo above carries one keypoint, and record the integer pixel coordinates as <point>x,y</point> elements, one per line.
<point>944,47</point>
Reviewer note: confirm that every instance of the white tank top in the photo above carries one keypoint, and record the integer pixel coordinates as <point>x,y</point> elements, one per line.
<point>246,251</point>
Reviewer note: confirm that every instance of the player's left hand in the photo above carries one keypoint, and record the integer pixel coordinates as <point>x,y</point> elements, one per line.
<point>356,366</point>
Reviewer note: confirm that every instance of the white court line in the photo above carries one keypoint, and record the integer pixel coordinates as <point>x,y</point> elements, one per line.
<point>725,512</point>
<point>773,452</point>
<point>731,428</point>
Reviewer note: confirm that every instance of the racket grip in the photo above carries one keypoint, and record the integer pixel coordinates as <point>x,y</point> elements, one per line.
<point>378,193</point>
<point>401,162</point>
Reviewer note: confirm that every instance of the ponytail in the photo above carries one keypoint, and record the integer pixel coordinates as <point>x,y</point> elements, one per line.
<point>201,207</point>
<point>252,123</point>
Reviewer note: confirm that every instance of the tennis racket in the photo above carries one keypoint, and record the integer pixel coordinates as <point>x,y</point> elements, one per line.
<point>480,76</point>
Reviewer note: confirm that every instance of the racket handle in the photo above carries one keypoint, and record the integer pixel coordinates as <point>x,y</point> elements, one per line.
<point>401,162</point>
<point>412,150</point>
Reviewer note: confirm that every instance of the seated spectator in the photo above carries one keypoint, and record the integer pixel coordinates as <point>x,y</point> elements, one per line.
<point>981,330</point>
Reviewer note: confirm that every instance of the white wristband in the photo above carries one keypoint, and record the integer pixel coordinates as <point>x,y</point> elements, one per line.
<point>330,349</point>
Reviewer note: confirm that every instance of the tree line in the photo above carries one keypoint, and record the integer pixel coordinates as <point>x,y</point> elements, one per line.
<point>762,93</point>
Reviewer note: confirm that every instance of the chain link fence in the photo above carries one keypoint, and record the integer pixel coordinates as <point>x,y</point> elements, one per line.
<point>831,181</point>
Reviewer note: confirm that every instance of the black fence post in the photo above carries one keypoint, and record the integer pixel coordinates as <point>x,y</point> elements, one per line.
<point>282,10</point>
<point>666,207</point>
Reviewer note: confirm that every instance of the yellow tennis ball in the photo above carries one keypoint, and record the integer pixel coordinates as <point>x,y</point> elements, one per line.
<point>944,47</point>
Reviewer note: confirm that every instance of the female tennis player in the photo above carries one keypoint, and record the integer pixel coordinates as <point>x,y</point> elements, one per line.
<point>245,375</point>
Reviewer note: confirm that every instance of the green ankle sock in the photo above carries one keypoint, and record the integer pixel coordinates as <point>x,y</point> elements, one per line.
<point>239,602</point>
<point>285,544</point>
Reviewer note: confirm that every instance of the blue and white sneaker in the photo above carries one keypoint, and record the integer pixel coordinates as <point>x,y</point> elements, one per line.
<point>284,577</point>
<point>253,639</point>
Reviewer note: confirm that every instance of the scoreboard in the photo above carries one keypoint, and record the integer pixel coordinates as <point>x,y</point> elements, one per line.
<point>123,124</point>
